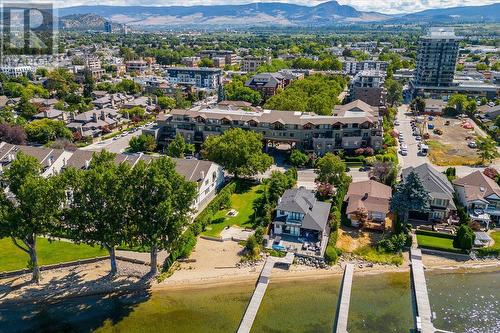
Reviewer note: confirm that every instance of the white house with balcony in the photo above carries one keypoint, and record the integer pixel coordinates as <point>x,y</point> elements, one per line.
<point>481,196</point>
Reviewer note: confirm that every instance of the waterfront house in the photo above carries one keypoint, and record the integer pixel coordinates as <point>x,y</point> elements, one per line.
<point>300,215</point>
<point>440,190</point>
<point>480,195</point>
<point>369,199</point>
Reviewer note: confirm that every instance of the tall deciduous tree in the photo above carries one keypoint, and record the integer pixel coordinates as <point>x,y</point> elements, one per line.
<point>99,210</point>
<point>331,169</point>
<point>34,209</point>
<point>178,147</point>
<point>394,92</point>
<point>238,151</point>
<point>161,201</point>
<point>486,149</point>
<point>410,195</point>
<point>464,238</point>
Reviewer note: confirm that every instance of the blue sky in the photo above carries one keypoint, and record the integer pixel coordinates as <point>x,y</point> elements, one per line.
<point>383,6</point>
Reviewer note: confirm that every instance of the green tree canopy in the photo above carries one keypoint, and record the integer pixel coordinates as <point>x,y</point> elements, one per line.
<point>238,151</point>
<point>298,158</point>
<point>394,92</point>
<point>487,149</point>
<point>142,143</point>
<point>99,210</point>
<point>178,147</point>
<point>161,203</point>
<point>331,169</point>
<point>464,238</point>
<point>410,195</point>
<point>45,130</point>
<point>34,210</point>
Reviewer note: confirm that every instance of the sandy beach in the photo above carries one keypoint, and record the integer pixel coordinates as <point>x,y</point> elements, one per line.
<point>214,264</point>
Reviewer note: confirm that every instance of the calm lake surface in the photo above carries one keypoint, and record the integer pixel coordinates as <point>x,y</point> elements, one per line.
<point>463,302</point>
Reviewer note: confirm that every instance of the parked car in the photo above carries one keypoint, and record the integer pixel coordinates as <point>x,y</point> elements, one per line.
<point>404,146</point>
<point>430,126</point>
<point>447,123</point>
<point>365,168</point>
<point>472,144</point>
<point>418,138</point>
<point>403,152</point>
<point>431,118</point>
<point>438,131</point>
<point>396,123</point>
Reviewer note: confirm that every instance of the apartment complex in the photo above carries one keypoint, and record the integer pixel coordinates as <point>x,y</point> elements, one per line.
<point>351,126</point>
<point>353,67</point>
<point>368,86</point>
<point>437,58</point>
<point>251,63</point>
<point>209,78</point>
<point>229,57</point>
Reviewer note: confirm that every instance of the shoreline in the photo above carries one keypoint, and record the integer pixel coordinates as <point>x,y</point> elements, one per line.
<point>319,274</point>
<point>298,273</point>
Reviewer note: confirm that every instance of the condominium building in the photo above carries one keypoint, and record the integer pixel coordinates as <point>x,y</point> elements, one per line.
<point>350,126</point>
<point>352,67</point>
<point>209,78</point>
<point>368,86</point>
<point>436,58</point>
<point>229,56</point>
<point>251,63</point>
<point>16,71</point>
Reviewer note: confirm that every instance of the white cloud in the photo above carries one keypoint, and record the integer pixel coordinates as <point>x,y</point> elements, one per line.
<point>383,6</point>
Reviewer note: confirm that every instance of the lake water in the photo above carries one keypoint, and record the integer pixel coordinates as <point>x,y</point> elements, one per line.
<point>463,302</point>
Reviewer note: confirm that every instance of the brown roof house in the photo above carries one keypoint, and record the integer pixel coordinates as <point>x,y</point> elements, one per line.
<point>481,196</point>
<point>369,199</point>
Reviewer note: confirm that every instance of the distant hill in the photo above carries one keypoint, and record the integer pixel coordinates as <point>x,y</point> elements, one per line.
<point>265,14</point>
<point>82,22</point>
<point>487,13</point>
<point>256,14</point>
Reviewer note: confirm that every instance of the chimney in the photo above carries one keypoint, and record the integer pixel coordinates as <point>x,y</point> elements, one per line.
<point>50,160</point>
<point>202,175</point>
<point>64,116</point>
<point>94,116</point>
<point>72,115</point>
<point>103,115</point>
<point>365,196</point>
<point>45,114</point>
<point>10,157</point>
<point>64,162</point>
<point>112,101</point>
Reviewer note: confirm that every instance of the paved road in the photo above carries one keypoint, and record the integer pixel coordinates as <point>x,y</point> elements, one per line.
<point>115,146</point>
<point>306,177</point>
<point>413,159</point>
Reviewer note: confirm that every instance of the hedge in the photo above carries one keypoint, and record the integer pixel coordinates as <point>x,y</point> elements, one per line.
<point>454,250</point>
<point>434,234</point>
<point>187,241</point>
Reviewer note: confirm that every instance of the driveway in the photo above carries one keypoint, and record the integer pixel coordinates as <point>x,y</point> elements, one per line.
<point>306,177</point>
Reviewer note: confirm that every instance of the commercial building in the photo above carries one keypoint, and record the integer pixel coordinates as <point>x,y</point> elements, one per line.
<point>209,78</point>
<point>354,125</point>
<point>368,86</point>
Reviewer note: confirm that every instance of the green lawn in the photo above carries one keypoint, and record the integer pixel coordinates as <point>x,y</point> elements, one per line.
<point>242,201</point>
<point>12,258</point>
<point>436,243</point>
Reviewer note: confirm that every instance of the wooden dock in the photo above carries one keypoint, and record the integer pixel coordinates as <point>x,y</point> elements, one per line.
<point>260,289</point>
<point>341,320</point>
<point>424,314</point>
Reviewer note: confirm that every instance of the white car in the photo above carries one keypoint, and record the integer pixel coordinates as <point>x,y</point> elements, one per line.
<point>404,146</point>
<point>418,138</point>
<point>472,144</point>
<point>403,152</point>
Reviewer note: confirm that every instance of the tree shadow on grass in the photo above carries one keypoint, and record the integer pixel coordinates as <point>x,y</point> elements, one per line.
<point>244,185</point>
<point>85,313</point>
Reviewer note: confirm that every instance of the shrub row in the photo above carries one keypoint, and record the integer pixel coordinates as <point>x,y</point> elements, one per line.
<point>185,244</point>
<point>434,234</point>
<point>453,250</point>
<point>332,253</point>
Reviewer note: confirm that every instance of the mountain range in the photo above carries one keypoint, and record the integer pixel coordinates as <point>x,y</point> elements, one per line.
<point>268,14</point>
